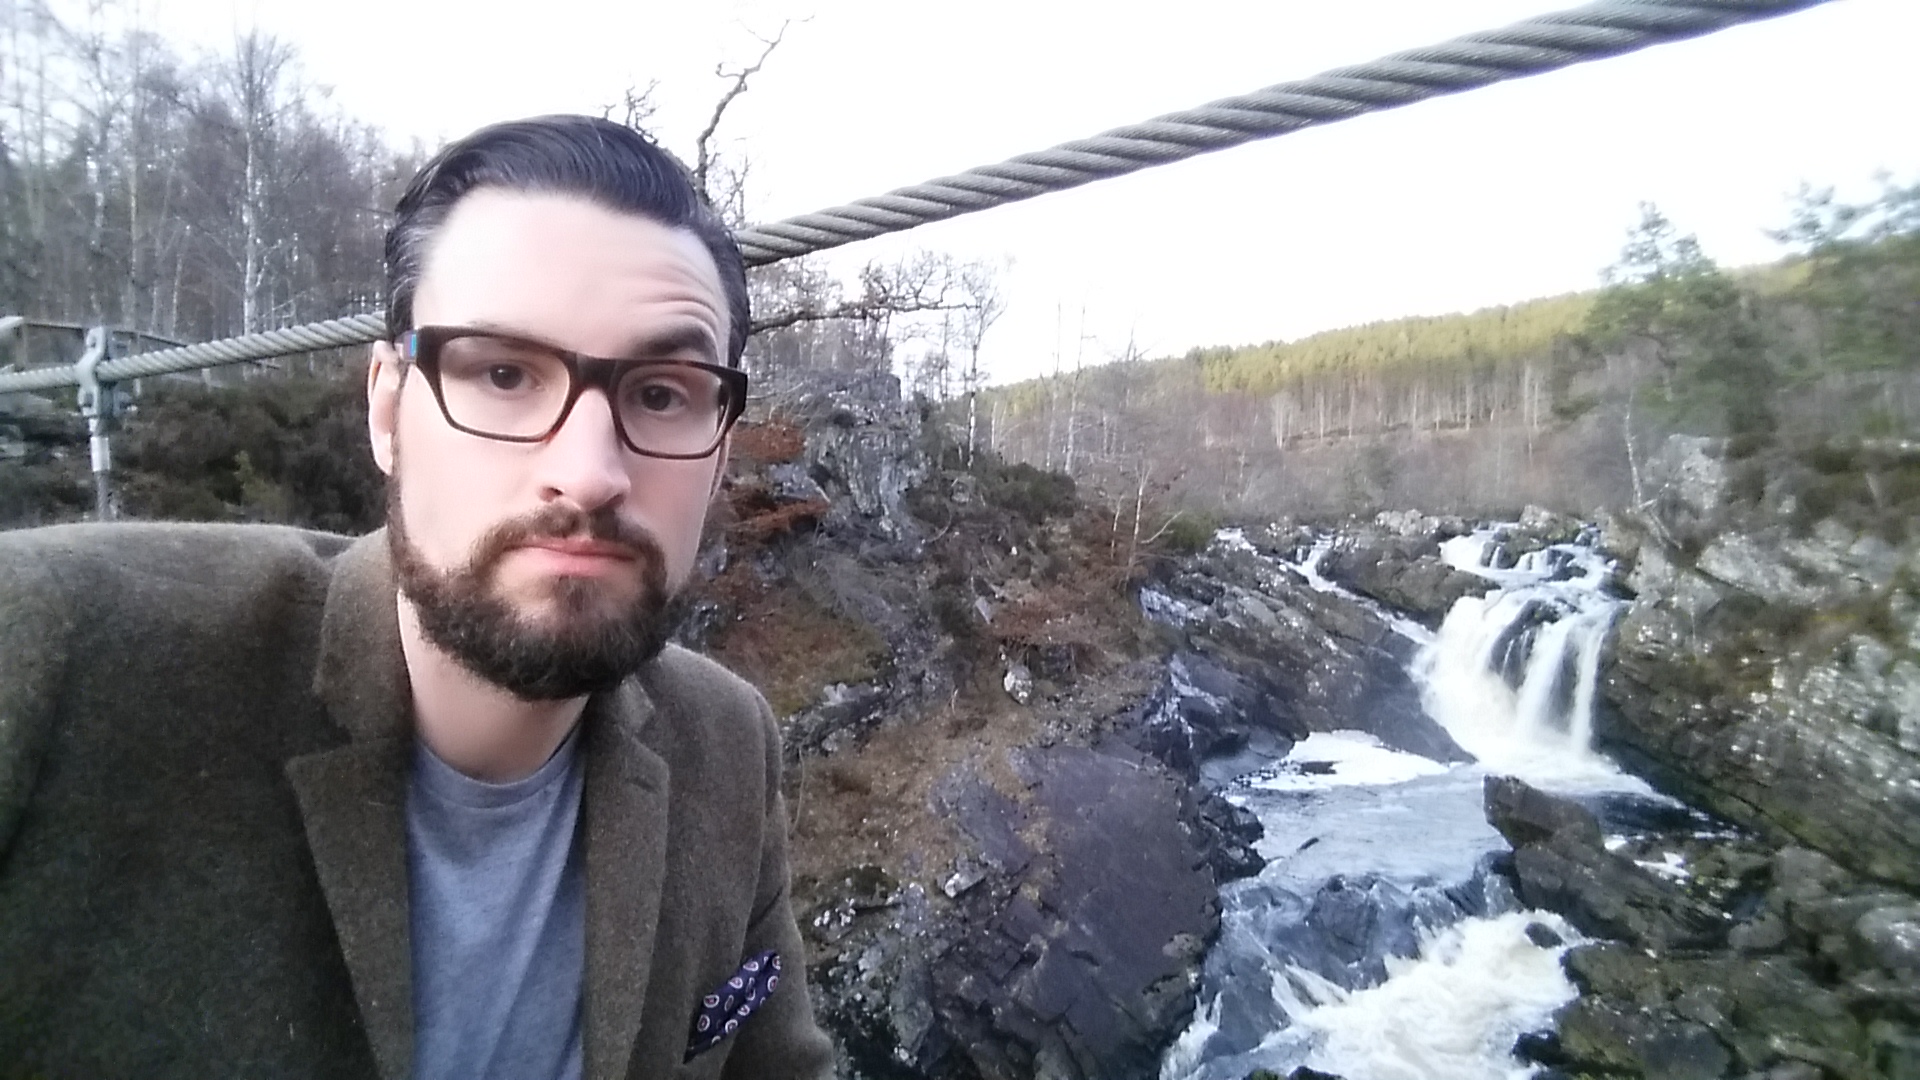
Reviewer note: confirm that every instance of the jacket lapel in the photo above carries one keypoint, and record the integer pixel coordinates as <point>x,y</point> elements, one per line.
<point>353,798</point>
<point>624,846</point>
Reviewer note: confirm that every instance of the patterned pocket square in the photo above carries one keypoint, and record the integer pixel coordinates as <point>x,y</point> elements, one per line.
<point>723,1011</point>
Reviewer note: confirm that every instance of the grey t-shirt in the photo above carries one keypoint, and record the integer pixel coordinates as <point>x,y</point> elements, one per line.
<point>498,921</point>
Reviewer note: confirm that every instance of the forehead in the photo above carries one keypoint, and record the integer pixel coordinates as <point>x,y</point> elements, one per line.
<point>567,270</point>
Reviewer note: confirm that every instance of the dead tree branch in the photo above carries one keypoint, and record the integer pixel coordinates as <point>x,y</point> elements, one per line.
<point>703,149</point>
<point>854,309</point>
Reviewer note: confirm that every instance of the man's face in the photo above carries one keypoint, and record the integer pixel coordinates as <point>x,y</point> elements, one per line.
<point>575,543</point>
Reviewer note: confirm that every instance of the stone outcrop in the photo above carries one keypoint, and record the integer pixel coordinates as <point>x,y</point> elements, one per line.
<point>1720,958</point>
<point>1560,864</point>
<point>863,448</point>
<point>1050,916</point>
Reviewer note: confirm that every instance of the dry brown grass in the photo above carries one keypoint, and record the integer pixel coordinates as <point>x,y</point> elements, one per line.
<point>872,805</point>
<point>768,442</point>
<point>788,645</point>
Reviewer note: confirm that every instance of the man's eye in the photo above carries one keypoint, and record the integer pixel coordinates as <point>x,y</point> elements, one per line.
<point>506,377</point>
<point>659,397</point>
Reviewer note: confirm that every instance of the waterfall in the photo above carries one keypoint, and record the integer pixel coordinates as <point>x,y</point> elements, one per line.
<point>1512,675</point>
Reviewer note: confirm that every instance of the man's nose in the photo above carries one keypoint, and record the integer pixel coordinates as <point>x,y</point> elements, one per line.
<point>583,462</point>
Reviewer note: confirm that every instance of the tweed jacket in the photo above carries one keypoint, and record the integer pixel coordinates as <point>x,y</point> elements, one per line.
<point>204,745</point>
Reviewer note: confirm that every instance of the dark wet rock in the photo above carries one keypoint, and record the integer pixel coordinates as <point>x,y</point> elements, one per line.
<point>1489,890</point>
<point>1526,815</point>
<point>1346,929</point>
<point>1540,1047</point>
<point>1405,573</point>
<point>1608,896</point>
<point>1206,711</point>
<point>1232,831</point>
<point>1544,936</point>
<point>1082,963</point>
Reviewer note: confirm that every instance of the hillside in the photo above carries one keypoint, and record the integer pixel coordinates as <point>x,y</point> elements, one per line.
<point>1552,401</point>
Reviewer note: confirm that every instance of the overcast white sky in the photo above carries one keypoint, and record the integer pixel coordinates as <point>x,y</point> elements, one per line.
<point>1488,197</point>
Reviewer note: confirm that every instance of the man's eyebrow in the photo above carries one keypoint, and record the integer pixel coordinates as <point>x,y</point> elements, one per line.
<point>664,344</point>
<point>686,338</point>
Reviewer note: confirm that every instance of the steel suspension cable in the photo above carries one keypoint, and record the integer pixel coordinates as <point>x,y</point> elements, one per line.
<point>1602,29</point>
<point>1545,43</point>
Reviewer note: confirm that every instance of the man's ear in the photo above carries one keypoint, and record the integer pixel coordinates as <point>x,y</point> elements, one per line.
<point>383,402</point>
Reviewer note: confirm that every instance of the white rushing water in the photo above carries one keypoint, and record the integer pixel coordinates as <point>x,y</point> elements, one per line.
<point>1453,1013</point>
<point>1355,826</point>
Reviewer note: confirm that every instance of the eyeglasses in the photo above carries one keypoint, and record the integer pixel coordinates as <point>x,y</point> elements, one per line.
<point>501,387</point>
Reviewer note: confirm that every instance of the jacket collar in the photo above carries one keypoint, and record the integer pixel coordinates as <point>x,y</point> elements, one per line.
<point>361,674</point>
<point>353,802</point>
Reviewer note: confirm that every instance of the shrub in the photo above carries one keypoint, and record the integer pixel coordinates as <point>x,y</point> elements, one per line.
<point>1188,534</point>
<point>1024,490</point>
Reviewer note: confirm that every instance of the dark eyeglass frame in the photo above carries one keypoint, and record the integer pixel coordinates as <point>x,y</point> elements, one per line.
<point>421,348</point>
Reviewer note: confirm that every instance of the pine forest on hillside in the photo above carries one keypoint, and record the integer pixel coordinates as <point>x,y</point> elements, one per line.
<point>1553,401</point>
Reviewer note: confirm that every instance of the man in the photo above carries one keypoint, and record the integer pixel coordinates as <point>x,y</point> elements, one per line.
<point>437,802</point>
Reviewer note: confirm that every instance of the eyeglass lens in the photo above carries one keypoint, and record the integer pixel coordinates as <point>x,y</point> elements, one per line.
<point>497,386</point>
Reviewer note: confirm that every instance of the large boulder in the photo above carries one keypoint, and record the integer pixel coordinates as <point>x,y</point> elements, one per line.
<point>863,449</point>
<point>1260,653</point>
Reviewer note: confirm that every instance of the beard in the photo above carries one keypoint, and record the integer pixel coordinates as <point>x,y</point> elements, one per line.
<point>587,644</point>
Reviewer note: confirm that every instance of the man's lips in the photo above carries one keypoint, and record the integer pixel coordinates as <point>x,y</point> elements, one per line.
<point>580,556</point>
<point>600,549</point>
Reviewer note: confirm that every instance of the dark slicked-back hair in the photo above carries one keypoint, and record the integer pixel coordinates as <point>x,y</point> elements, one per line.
<point>613,166</point>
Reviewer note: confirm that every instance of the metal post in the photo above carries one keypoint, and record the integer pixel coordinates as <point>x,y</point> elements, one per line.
<point>97,405</point>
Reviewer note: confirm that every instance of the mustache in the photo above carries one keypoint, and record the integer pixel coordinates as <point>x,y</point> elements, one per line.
<point>560,521</point>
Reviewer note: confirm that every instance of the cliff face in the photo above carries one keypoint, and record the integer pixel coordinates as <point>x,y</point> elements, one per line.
<point>1770,668</point>
<point>1769,671</point>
